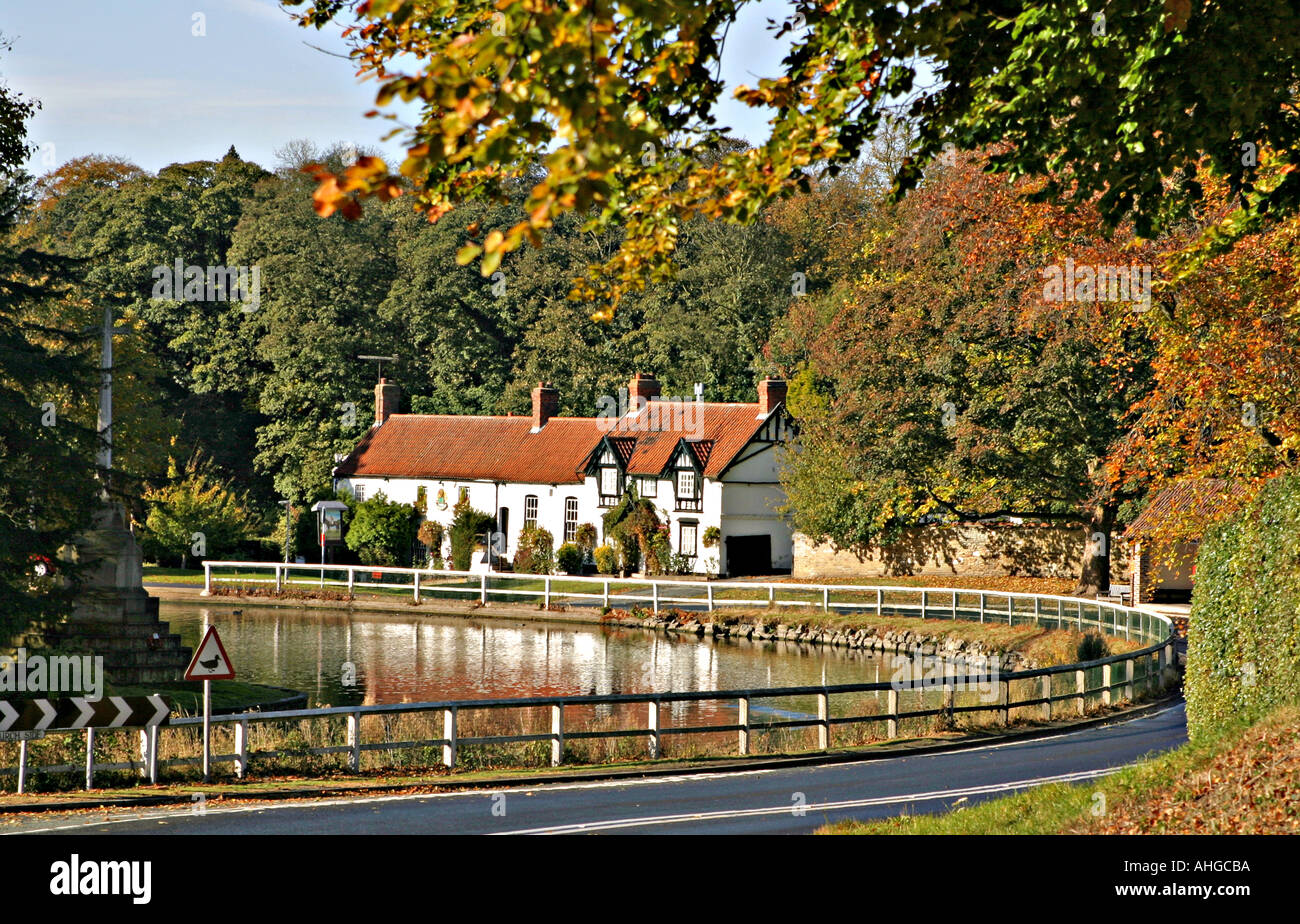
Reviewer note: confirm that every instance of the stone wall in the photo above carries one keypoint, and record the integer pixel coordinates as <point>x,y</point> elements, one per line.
<point>966,549</point>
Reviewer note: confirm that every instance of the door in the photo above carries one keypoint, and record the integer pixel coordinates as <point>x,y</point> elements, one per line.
<point>749,555</point>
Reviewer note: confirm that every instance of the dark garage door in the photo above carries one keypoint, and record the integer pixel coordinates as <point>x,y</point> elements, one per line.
<point>749,555</point>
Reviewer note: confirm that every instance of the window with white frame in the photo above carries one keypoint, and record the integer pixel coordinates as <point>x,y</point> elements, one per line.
<point>530,511</point>
<point>687,539</point>
<point>359,492</point>
<point>649,487</point>
<point>570,519</point>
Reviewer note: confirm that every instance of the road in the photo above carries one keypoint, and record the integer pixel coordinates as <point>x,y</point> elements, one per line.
<point>782,801</point>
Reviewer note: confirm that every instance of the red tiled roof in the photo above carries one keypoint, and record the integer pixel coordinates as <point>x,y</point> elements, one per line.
<point>505,449</point>
<point>720,432</point>
<point>488,448</point>
<point>1193,503</point>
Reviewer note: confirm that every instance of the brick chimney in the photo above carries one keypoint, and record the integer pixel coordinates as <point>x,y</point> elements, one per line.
<point>387,397</point>
<point>771,392</point>
<point>546,404</point>
<point>643,386</point>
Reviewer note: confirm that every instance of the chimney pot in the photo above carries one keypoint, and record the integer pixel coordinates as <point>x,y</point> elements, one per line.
<point>387,397</point>
<point>643,386</point>
<point>771,392</point>
<point>546,404</point>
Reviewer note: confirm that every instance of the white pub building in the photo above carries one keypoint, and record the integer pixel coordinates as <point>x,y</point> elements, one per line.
<point>701,463</point>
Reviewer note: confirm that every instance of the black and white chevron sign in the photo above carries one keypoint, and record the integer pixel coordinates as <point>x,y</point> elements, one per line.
<point>79,712</point>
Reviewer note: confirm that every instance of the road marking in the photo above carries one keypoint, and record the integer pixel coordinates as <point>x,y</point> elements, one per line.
<point>486,791</point>
<point>991,788</point>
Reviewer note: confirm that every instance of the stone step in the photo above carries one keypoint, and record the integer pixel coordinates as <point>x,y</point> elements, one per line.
<point>107,629</point>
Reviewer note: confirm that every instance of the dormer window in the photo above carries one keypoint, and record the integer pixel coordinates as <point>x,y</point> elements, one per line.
<point>609,479</point>
<point>687,481</point>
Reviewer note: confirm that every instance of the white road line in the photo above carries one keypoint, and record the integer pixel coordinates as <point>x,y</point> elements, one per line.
<point>646,821</point>
<point>487,791</point>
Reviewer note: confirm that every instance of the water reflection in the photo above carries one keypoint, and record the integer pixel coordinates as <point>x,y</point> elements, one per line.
<point>397,659</point>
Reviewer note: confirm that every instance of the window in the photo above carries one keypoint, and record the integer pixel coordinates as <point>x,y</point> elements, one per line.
<point>570,519</point>
<point>688,490</point>
<point>530,511</point>
<point>649,487</point>
<point>686,539</point>
<point>359,492</point>
<point>609,479</point>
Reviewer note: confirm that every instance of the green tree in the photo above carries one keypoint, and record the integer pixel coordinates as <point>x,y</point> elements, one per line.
<point>48,489</point>
<point>382,532</point>
<point>195,516</point>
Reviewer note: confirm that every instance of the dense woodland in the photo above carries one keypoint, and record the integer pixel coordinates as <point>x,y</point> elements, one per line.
<point>934,375</point>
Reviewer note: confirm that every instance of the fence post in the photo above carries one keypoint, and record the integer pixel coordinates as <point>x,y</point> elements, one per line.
<point>826,599</point>
<point>557,734</point>
<point>1128,680</point>
<point>90,758</point>
<point>22,766</point>
<point>654,729</point>
<point>880,600</point>
<point>954,604</point>
<point>1078,609</point>
<point>1047,695</point>
<point>354,741</point>
<point>278,579</point>
<point>1081,690</point>
<point>1038,611</point>
<point>607,593</point>
<point>823,722</point>
<point>352,580</point>
<point>1011,609</point>
<point>415,576</point>
<point>708,586</point>
<point>241,749</point>
<point>1060,614</point>
<point>892,726</point>
<point>771,595</point>
<point>207,579</point>
<point>482,588</point>
<point>924,601</point>
<point>949,698</point>
<point>1105,685</point>
<point>744,726</point>
<point>1004,697</point>
<point>546,598</point>
<point>449,736</point>
<point>981,607</point>
<point>654,594</point>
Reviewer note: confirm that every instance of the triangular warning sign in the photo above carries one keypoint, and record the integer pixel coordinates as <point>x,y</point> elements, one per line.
<point>210,661</point>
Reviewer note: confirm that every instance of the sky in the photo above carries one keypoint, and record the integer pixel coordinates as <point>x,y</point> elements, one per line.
<point>157,82</point>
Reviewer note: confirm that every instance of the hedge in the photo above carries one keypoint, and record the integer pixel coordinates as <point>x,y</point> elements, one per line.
<point>1243,645</point>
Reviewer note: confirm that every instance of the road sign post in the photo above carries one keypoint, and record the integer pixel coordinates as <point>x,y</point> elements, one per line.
<point>210,663</point>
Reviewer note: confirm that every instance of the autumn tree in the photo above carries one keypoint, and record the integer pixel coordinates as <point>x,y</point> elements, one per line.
<point>945,385</point>
<point>620,100</point>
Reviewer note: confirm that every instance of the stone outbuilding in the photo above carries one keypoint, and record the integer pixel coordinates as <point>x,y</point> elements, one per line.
<point>1164,539</point>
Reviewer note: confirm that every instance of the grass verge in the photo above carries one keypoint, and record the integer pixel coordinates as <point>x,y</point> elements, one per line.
<point>1243,779</point>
